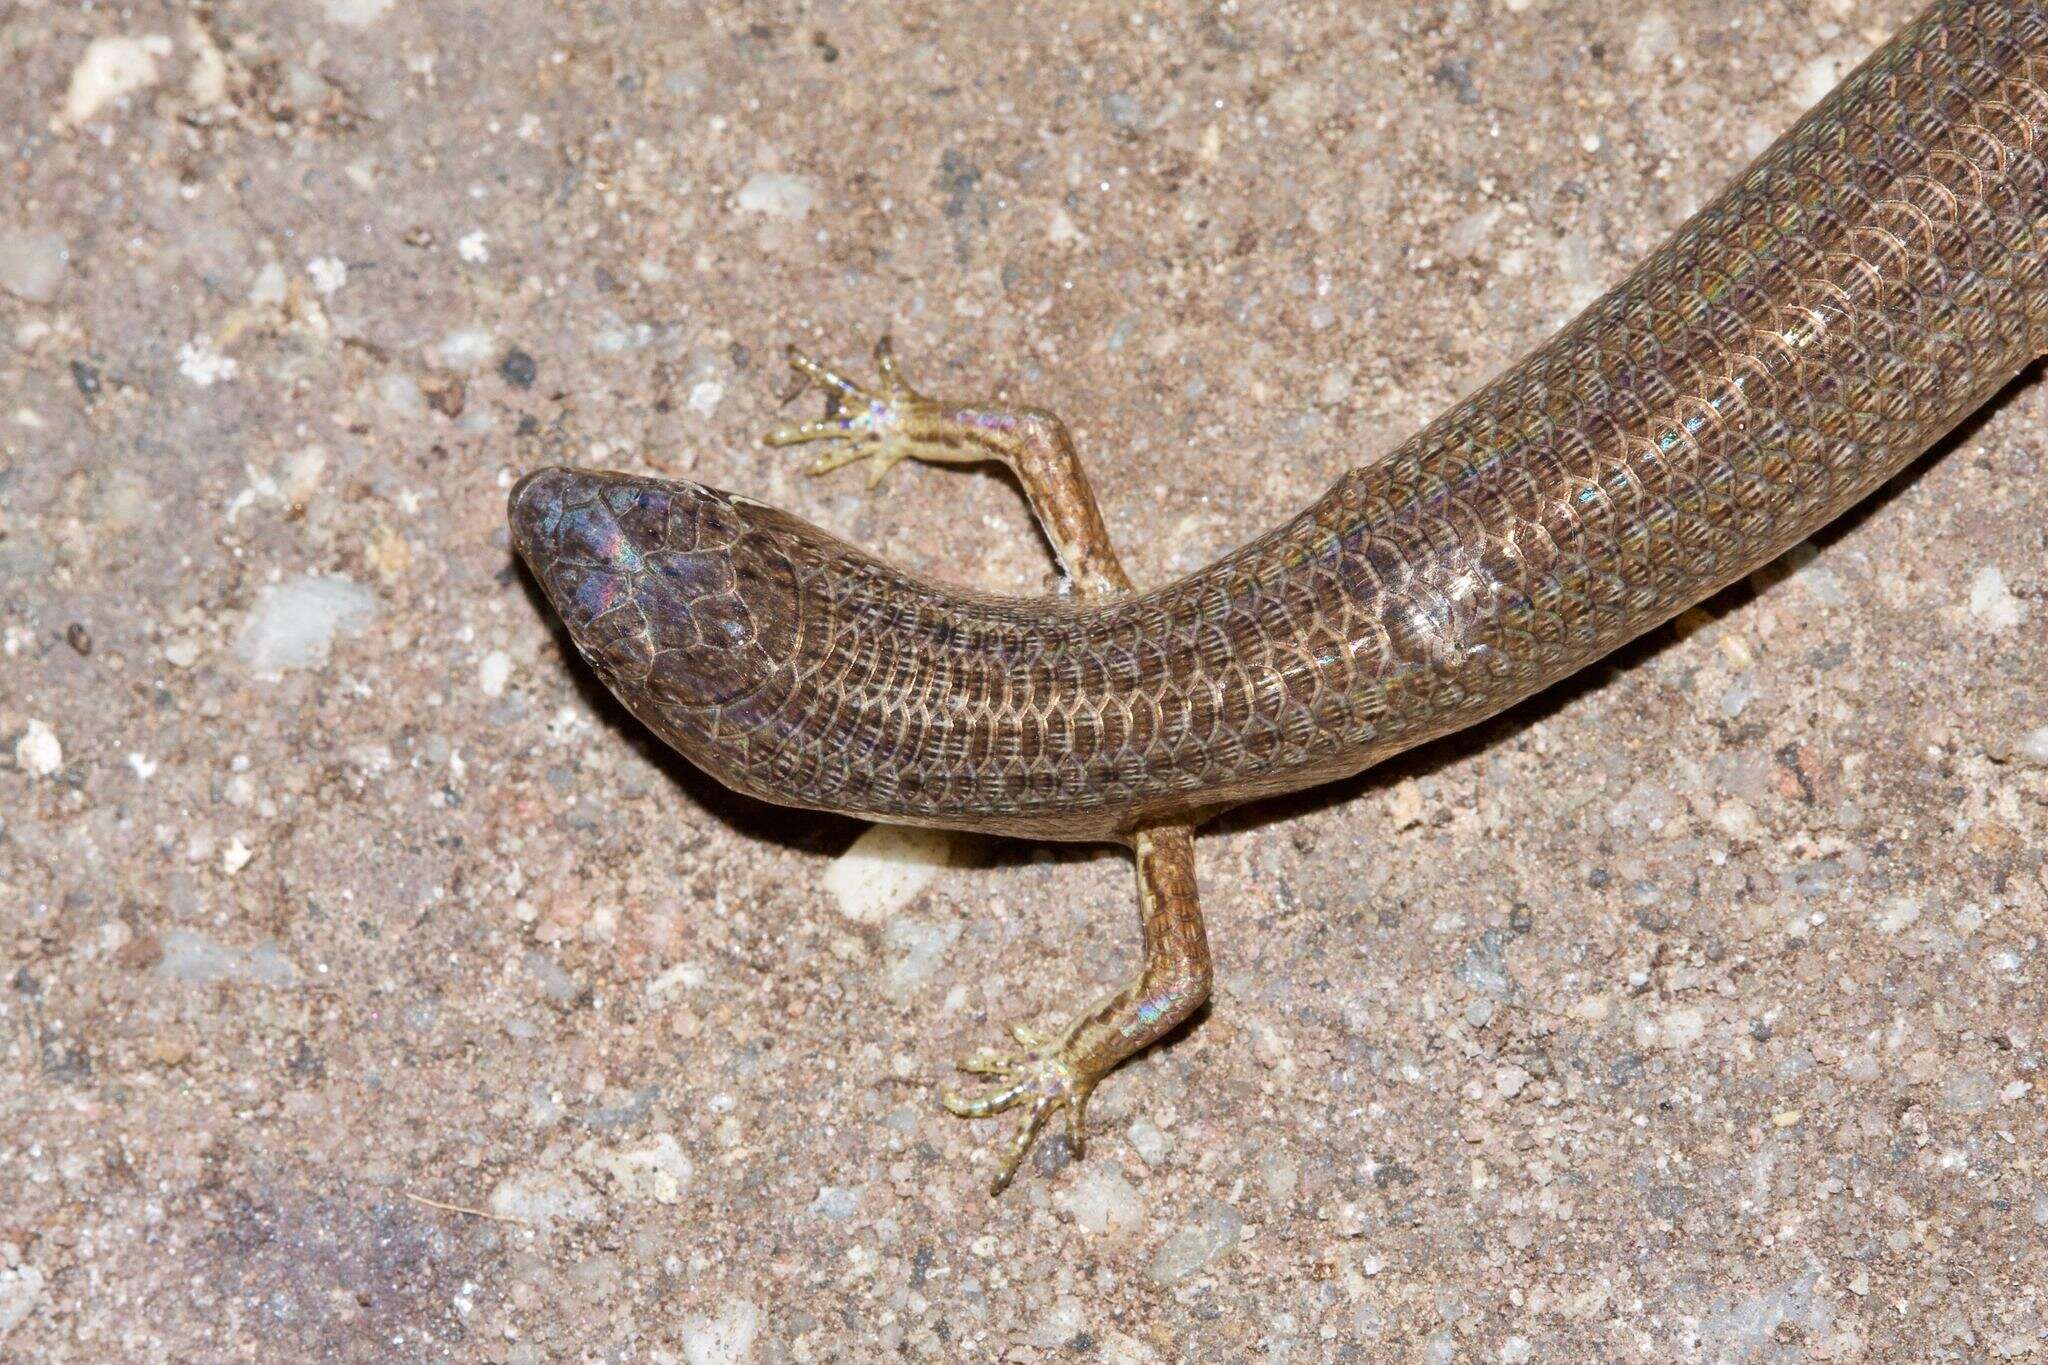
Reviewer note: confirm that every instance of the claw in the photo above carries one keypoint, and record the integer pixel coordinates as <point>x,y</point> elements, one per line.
<point>1029,1036</point>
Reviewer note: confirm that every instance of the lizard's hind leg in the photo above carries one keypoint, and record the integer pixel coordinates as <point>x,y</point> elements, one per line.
<point>1062,1069</point>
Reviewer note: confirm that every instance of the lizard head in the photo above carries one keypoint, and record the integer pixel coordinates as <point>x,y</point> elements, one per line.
<point>679,600</point>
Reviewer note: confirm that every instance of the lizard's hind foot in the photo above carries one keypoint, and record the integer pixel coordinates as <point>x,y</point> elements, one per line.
<point>1040,1074</point>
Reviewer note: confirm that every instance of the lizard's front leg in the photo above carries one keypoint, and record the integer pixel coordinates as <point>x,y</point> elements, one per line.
<point>889,422</point>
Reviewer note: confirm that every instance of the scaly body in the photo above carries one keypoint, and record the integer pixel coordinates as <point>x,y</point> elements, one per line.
<point>1868,282</point>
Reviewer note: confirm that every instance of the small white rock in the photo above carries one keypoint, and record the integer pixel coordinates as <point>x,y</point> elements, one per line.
<point>887,867</point>
<point>655,1170</point>
<point>1151,1145</point>
<point>543,1198</point>
<point>775,195</point>
<point>32,265</point>
<point>704,397</point>
<point>329,274</point>
<point>1992,602</point>
<point>20,1287</point>
<point>201,363</point>
<point>466,349</point>
<point>270,287</point>
<point>2034,746</point>
<point>493,673</point>
<point>235,856</point>
<point>37,751</point>
<point>727,1339</point>
<point>1509,1081</point>
<point>915,951</point>
<point>1101,1201</point>
<point>474,248</point>
<point>294,623</point>
<point>1681,1028</point>
<point>111,68</point>
<point>1818,77</point>
<point>357,13</point>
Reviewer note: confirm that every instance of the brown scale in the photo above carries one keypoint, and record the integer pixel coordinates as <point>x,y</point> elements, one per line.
<point>1868,282</point>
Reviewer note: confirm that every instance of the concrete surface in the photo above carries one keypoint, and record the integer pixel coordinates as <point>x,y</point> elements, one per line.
<point>1694,1011</point>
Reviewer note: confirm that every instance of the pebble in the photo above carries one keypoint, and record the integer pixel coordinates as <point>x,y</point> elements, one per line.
<point>493,673</point>
<point>1818,77</point>
<point>466,350</point>
<point>1656,38</point>
<point>1215,1230</point>
<point>401,393</point>
<point>1062,1323</point>
<point>544,1198</point>
<point>916,950</point>
<point>1902,913</point>
<point>270,288</point>
<point>555,981</point>
<point>654,1171</point>
<point>727,1339</point>
<point>1740,693</point>
<point>885,869</point>
<point>201,362</point>
<point>357,13</point>
<point>1681,1028</point>
<point>518,369</point>
<point>32,264</point>
<point>1151,1145</point>
<point>197,960</point>
<point>2034,746</point>
<point>1101,1201</point>
<point>1509,1081</point>
<point>836,1203</point>
<point>1992,603</point>
<point>20,1287</point>
<point>295,623</point>
<point>1969,1092</point>
<point>1484,967</point>
<point>111,68</point>
<point>705,397</point>
<point>1280,1174</point>
<point>775,195</point>
<point>38,751</point>
<point>328,273</point>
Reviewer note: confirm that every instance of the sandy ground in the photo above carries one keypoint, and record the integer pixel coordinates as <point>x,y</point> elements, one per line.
<point>371,988</point>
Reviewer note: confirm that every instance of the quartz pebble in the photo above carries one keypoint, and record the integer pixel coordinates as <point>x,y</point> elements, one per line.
<point>1101,1201</point>
<point>32,264</point>
<point>885,869</point>
<point>295,623</point>
<point>1215,1230</point>
<point>110,68</point>
<point>38,751</point>
<point>774,195</point>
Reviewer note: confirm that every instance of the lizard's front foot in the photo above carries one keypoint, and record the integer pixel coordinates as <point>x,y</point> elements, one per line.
<point>878,424</point>
<point>1047,1074</point>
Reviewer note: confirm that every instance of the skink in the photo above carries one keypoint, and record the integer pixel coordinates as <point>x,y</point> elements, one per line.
<point>1869,281</point>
